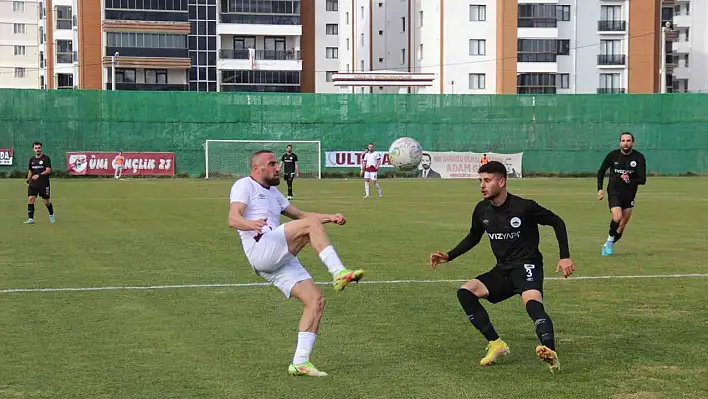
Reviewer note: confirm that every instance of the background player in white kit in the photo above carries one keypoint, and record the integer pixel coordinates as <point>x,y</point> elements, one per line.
<point>370,164</point>
<point>272,248</point>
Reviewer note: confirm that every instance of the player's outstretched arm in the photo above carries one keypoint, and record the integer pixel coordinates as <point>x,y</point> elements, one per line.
<point>237,221</point>
<point>467,243</point>
<point>295,214</point>
<point>546,217</point>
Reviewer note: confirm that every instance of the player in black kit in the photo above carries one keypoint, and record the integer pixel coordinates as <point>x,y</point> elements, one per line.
<point>628,170</point>
<point>40,166</point>
<point>511,223</point>
<point>292,169</point>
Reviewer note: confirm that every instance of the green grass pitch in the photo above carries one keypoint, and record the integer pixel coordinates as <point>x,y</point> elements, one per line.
<point>639,338</point>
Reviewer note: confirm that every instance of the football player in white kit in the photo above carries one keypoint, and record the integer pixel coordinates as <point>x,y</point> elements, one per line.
<point>370,164</point>
<point>271,248</point>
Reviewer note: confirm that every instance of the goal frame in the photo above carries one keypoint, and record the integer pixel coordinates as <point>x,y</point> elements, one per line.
<point>318,142</point>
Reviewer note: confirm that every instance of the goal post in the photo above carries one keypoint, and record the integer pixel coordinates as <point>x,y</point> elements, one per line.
<point>232,157</point>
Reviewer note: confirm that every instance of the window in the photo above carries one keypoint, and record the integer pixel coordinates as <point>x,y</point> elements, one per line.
<point>346,17</point>
<point>329,75</point>
<point>20,50</point>
<point>332,52</point>
<point>41,35</point>
<point>478,81</point>
<point>65,81</point>
<point>611,13</point>
<point>20,29</point>
<point>420,19</point>
<point>478,47</point>
<point>380,60</point>
<point>64,52</point>
<point>154,76</point>
<point>332,5</point>
<point>380,33</point>
<point>380,5</point>
<point>541,50</point>
<point>420,51</point>
<point>361,11</point>
<point>610,81</point>
<point>478,12</point>
<point>63,17</point>
<point>403,56</point>
<point>362,66</point>
<point>347,44</point>
<point>610,47</point>
<point>403,24</point>
<point>536,83</point>
<point>563,13</point>
<point>332,29</point>
<point>361,40</point>
<point>158,40</point>
<point>18,6</point>
<point>537,16</point>
<point>563,81</point>
<point>20,72</point>
<point>347,68</point>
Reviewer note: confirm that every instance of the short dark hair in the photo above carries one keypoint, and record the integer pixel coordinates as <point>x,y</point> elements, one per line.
<point>37,143</point>
<point>493,167</point>
<point>289,145</point>
<point>425,154</point>
<point>630,135</point>
<point>257,153</point>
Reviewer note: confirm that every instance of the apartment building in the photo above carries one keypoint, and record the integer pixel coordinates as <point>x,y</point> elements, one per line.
<point>19,44</point>
<point>507,46</point>
<point>687,45</point>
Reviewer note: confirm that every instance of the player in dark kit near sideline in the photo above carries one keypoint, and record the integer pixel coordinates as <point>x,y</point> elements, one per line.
<point>628,170</point>
<point>40,166</point>
<point>511,223</point>
<point>291,168</point>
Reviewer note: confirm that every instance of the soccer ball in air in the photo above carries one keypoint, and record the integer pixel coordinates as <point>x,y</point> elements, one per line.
<point>405,153</point>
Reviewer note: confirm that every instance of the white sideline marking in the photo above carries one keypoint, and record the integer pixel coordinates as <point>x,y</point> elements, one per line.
<point>244,285</point>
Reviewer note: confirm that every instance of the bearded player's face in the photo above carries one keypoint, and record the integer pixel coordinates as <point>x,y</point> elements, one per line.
<point>270,171</point>
<point>626,142</point>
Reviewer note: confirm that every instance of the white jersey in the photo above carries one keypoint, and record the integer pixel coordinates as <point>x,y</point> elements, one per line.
<point>261,203</point>
<point>371,159</point>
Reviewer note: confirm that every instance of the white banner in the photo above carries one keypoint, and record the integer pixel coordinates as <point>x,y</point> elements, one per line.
<point>464,165</point>
<point>351,159</point>
<point>6,156</point>
<point>435,165</point>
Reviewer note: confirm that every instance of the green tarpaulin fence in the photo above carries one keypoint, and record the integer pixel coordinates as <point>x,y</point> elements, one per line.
<point>558,134</point>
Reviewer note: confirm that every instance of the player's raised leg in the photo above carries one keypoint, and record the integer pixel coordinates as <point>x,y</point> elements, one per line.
<point>309,230</point>
<point>311,297</point>
<point>469,295</point>
<point>533,300</point>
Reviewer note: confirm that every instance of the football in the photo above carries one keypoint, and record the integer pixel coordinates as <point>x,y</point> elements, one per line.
<point>405,153</point>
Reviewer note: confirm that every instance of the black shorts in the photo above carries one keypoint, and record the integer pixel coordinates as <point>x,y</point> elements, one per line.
<point>43,191</point>
<point>289,176</point>
<point>503,284</point>
<point>622,201</point>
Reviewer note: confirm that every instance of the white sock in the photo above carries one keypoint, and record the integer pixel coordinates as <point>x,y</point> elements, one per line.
<point>305,342</point>
<point>366,188</point>
<point>378,189</point>
<point>610,239</point>
<point>331,260</point>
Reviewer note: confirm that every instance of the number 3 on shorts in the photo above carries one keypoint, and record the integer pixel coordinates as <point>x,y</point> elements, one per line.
<point>529,270</point>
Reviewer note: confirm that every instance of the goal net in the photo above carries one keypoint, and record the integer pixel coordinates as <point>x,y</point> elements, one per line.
<point>229,158</point>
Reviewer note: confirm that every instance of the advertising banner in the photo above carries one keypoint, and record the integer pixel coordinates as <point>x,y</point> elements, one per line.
<point>88,163</point>
<point>435,165</point>
<point>6,156</point>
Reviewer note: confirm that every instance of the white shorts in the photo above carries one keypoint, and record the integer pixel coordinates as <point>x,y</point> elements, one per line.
<point>370,175</point>
<point>271,259</point>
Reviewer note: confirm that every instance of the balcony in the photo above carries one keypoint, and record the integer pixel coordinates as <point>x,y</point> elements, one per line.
<point>65,58</point>
<point>149,52</point>
<point>265,55</point>
<point>604,90</point>
<point>536,57</point>
<point>148,87</point>
<point>259,25</point>
<point>611,26</point>
<point>163,16</point>
<point>611,60</point>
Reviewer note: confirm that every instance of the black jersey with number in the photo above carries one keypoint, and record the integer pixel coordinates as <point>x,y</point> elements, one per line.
<point>289,162</point>
<point>634,164</point>
<point>37,166</point>
<point>512,229</point>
